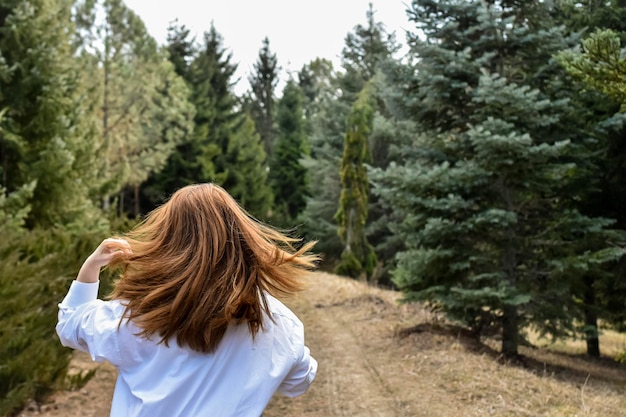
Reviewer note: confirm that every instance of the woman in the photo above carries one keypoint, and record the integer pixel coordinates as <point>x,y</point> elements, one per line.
<point>193,324</point>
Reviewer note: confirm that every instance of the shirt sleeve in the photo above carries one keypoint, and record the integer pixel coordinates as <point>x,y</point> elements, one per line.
<point>88,324</point>
<point>304,368</point>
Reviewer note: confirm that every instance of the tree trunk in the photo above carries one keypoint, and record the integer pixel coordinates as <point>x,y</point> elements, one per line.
<point>136,210</point>
<point>121,203</point>
<point>106,200</point>
<point>510,333</point>
<point>591,319</point>
<point>4,166</point>
<point>510,319</point>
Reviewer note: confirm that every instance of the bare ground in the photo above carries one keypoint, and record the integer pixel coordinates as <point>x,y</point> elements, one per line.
<point>379,358</point>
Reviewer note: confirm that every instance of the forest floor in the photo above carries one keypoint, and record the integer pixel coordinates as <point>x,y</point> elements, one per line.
<point>380,358</point>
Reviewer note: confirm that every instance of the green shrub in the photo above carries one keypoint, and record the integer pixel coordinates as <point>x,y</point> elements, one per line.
<point>36,268</point>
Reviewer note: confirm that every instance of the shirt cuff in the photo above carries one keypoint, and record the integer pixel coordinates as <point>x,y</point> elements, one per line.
<point>81,293</point>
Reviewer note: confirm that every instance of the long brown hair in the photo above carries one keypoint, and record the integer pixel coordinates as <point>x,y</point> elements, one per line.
<point>199,262</point>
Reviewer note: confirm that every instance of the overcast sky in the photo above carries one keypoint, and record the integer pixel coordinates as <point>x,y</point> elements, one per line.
<point>298,31</point>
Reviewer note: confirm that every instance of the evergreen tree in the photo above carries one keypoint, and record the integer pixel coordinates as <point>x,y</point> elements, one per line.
<point>263,82</point>
<point>180,48</point>
<point>330,96</point>
<point>601,64</point>
<point>46,142</point>
<point>250,184</point>
<point>367,53</point>
<point>211,72</point>
<point>488,222</point>
<point>365,49</point>
<point>47,157</point>
<point>287,175</point>
<point>598,69</point>
<point>604,125</point>
<point>224,147</point>
<point>326,122</point>
<point>315,80</point>
<point>182,167</point>
<point>136,87</point>
<point>590,15</point>
<point>358,256</point>
<point>165,126</point>
<point>223,131</point>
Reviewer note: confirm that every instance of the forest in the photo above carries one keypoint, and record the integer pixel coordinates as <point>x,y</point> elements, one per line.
<point>482,173</point>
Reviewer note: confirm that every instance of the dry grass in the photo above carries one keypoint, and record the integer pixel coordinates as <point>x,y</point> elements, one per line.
<point>381,358</point>
<point>418,366</point>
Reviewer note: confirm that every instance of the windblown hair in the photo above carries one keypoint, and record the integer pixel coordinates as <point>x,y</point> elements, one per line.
<point>199,263</point>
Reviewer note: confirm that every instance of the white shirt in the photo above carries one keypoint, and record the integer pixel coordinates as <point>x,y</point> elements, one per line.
<point>154,380</point>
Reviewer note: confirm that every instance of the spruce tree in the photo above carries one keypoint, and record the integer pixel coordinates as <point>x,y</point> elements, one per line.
<point>589,15</point>
<point>180,48</point>
<point>366,47</point>
<point>287,175</point>
<point>210,73</point>
<point>47,154</point>
<point>166,124</point>
<point>325,116</point>
<point>487,221</point>
<point>367,53</point>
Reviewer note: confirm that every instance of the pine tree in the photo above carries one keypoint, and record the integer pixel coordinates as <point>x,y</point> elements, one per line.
<point>601,64</point>
<point>224,148</point>
<point>182,167</point>
<point>597,68</point>
<point>135,82</point>
<point>250,184</point>
<point>263,82</point>
<point>46,141</point>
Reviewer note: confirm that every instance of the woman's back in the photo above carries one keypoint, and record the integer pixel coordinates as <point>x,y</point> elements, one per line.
<point>192,323</point>
<point>237,379</point>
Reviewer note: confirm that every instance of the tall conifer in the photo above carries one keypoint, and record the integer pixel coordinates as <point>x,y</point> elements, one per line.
<point>358,256</point>
<point>143,110</point>
<point>334,93</point>
<point>46,139</point>
<point>263,82</point>
<point>287,175</point>
<point>484,193</point>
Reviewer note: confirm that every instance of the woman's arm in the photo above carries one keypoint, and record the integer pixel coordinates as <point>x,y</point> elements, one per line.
<point>90,270</point>
<point>84,322</point>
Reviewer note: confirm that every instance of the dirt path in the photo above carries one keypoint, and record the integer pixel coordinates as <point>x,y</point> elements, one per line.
<point>367,370</point>
<point>349,381</point>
